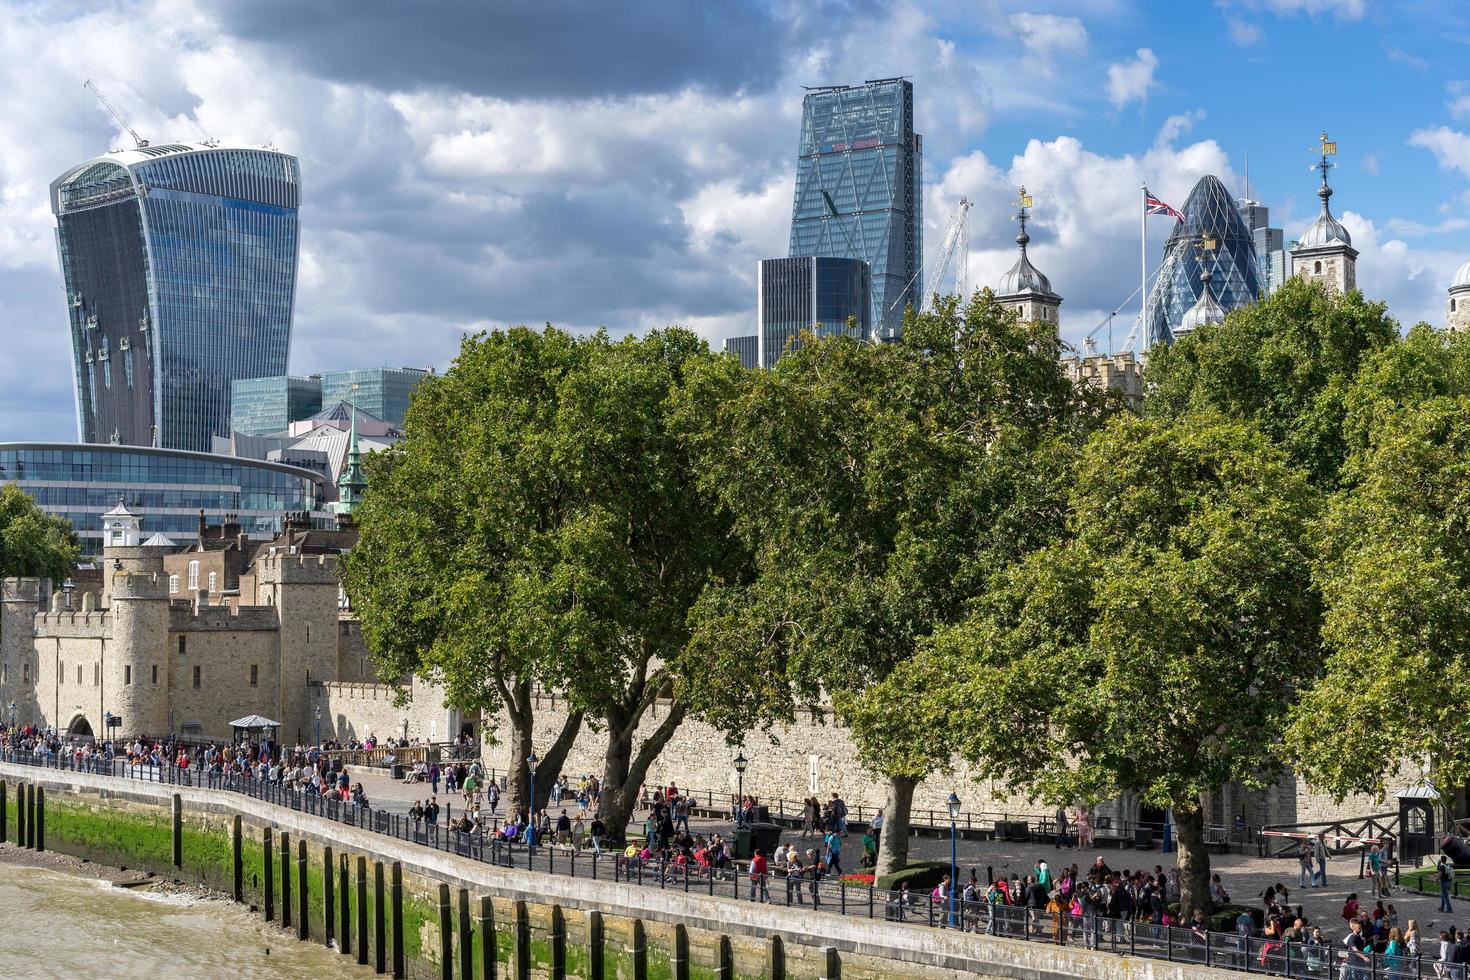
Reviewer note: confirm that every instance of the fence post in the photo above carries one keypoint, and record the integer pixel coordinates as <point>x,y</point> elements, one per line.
<point>595,943</point>
<point>380,930</point>
<point>344,911</point>
<point>178,830</point>
<point>285,880</point>
<point>40,818</point>
<point>30,816</point>
<point>303,918</point>
<point>679,960</point>
<point>831,965</point>
<point>776,958</point>
<point>362,911</point>
<point>466,937</point>
<point>398,972</point>
<point>270,875</point>
<point>4,811</point>
<point>237,860</point>
<point>446,947</point>
<point>329,896</point>
<point>639,951</point>
<point>558,944</point>
<point>522,951</point>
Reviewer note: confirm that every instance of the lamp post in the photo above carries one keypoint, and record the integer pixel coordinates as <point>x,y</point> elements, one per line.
<point>12,714</point>
<point>531,763</point>
<point>318,713</point>
<point>740,765</point>
<point>954,865</point>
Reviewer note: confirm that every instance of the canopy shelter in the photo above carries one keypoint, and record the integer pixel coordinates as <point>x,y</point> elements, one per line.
<point>254,723</point>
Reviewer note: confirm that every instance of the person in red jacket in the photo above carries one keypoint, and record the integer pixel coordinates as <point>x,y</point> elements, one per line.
<point>758,875</point>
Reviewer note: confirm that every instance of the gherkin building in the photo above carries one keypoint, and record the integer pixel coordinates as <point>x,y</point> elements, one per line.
<point>1210,212</point>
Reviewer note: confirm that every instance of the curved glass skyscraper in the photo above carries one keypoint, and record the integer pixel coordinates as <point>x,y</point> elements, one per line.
<point>180,270</point>
<point>1209,212</point>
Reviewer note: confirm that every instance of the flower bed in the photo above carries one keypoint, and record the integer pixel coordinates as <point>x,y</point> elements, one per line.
<point>866,880</point>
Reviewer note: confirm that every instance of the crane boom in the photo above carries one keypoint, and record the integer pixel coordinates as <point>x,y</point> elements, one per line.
<point>957,234</point>
<point>112,111</point>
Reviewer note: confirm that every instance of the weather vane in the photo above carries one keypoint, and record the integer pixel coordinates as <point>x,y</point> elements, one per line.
<point>1023,203</point>
<point>1326,148</point>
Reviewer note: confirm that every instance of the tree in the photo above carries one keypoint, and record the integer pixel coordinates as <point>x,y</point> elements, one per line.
<point>1395,578</point>
<point>1284,364</point>
<point>33,543</point>
<point>878,487</point>
<point>1154,650</point>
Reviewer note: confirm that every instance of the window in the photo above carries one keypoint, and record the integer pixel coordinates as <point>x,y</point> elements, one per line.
<point>1316,266</point>
<point>173,583</point>
<point>308,632</point>
<point>26,674</point>
<point>155,673</point>
<point>212,580</point>
<point>193,575</point>
<point>182,650</point>
<point>96,674</point>
<point>79,673</point>
<point>254,675</point>
<point>196,675</point>
<point>127,674</point>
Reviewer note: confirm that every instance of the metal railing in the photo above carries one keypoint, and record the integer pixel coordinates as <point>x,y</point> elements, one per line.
<point>1139,938</point>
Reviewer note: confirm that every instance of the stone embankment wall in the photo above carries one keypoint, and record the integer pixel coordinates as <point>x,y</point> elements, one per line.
<point>451,907</point>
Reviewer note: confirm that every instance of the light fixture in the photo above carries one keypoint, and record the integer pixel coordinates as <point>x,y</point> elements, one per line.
<point>954,807</point>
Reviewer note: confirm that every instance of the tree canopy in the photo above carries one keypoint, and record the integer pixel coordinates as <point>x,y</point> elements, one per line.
<point>34,543</point>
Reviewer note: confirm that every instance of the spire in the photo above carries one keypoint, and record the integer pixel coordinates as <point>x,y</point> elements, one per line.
<point>1329,148</point>
<point>353,482</point>
<point>1206,309</point>
<point>1021,215</point>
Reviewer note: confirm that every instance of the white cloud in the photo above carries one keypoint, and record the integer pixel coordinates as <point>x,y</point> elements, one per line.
<point>1243,32</point>
<point>1047,35</point>
<point>1341,9</point>
<point>1412,281</point>
<point>1449,146</point>
<point>1370,163</point>
<point>1459,104</point>
<point>1130,81</point>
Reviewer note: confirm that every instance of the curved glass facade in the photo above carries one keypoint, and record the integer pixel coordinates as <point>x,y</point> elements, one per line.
<point>1211,212</point>
<point>859,189</point>
<point>180,271</point>
<point>166,488</point>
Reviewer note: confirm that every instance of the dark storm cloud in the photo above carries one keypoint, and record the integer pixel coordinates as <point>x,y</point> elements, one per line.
<point>522,48</point>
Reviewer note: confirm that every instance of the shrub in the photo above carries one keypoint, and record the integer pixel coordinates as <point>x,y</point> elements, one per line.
<point>919,875</point>
<point>1223,918</point>
<point>857,879</point>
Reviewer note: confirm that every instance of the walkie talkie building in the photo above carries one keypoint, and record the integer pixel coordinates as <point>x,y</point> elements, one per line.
<point>180,270</point>
<point>859,189</point>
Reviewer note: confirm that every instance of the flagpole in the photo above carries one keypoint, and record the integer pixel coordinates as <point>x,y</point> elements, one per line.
<point>1143,264</point>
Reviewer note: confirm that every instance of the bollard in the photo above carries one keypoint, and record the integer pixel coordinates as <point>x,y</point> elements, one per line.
<point>640,951</point>
<point>398,973</point>
<point>270,876</point>
<point>237,859</point>
<point>831,965</point>
<point>362,911</point>
<point>522,938</point>
<point>558,943</point>
<point>466,937</point>
<point>679,961</point>
<point>285,880</point>
<point>329,896</point>
<point>380,933</point>
<point>596,940</point>
<point>178,829</point>
<point>725,960</point>
<point>776,965</point>
<point>344,911</point>
<point>30,841</point>
<point>40,818</point>
<point>303,908</point>
<point>446,947</point>
<point>489,954</point>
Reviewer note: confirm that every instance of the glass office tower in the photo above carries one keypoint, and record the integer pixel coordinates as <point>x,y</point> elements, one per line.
<point>859,189</point>
<point>383,392</point>
<point>264,406</point>
<point>180,269</point>
<point>813,294</point>
<point>1209,212</point>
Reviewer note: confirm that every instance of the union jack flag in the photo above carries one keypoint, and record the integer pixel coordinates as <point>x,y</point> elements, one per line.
<point>1152,205</point>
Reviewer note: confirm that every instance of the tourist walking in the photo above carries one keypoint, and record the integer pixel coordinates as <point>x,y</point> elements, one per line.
<point>834,853</point>
<point>1319,857</point>
<point>758,872</point>
<point>1446,875</point>
<point>1061,819</point>
<point>1304,874</point>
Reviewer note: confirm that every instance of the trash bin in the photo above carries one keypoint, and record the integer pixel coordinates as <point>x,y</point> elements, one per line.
<point>742,844</point>
<point>765,836</point>
<point>1143,838</point>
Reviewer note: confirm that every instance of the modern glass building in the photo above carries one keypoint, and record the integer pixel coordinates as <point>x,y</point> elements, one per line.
<point>180,269</point>
<point>745,348</point>
<point>167,488</point>
<point>262,406</point>
<point>1271,255</point>
<point>821,295</point>
<point>859,189</point>
<point>1209,212</point>
<point>383,392</point>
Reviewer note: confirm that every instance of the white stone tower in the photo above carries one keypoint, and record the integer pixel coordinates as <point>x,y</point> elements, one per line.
<point>1324,253</point>
<point>1457,317</point>
<point>1023,287</point>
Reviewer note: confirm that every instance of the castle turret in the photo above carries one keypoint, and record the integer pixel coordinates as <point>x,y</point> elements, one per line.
<point>303,590</point>
<point>137,663</point>
<point>1023,288</point>
<point>20,600</point>
<point>123,547</point>
<point>1324,253</point>
<point>1458,316</point>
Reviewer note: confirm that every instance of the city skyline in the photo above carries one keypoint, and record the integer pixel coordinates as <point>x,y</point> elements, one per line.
<point>641,188</point>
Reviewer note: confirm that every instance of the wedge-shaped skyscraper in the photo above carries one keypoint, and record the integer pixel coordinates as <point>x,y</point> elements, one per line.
<point>180,270</point>
<point>1209,213</point>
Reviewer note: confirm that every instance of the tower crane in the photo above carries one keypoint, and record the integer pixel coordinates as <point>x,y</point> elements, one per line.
<point>957,247</point>
<point>112,110</point>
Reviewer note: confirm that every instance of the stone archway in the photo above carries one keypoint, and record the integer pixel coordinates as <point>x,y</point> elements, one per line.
<point>81,727</point>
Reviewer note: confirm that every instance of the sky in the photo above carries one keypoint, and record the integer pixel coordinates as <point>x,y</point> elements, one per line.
<point>469,165</point>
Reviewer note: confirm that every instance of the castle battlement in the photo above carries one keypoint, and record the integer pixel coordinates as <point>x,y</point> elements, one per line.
<point>183,618</point>
<point>74,624</point>
<point>359,691</point>
<point>138,585</point>
<point>283,566</point>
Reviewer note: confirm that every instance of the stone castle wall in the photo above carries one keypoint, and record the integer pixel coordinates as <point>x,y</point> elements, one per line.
<point>353,709</point>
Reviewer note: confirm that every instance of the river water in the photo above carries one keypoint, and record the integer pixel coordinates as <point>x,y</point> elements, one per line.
<point>58,926</point>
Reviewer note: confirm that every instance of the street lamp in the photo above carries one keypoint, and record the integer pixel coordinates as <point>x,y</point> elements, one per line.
<point>954,865</point>
<point>531,763</point>
<point>318,713</point>
<point>12,714</point>
<point>740,765</point>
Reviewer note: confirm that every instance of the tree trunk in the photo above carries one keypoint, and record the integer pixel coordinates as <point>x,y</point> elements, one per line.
<point>1194,861</point>
<point>521,716</point>
<point>893,840</point>
<point>555,757</point>
<point>623,771</point>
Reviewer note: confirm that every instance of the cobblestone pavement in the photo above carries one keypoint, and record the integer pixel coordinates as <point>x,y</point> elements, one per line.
<point>1245,877</point>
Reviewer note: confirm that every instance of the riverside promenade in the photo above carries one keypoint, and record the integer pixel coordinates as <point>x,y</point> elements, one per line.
<point>543,898</point>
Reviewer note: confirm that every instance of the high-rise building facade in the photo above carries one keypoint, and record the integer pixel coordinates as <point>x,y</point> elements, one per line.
<point>1210,215</point>
<point>859,189</point>
<point>1273,263</point>
<point>180,269</point>
<point>383,392</point>
<point>821,295</point>
<point>745,348</point>
<point>262,406</point>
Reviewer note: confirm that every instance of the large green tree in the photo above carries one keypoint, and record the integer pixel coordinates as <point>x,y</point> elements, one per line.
<point>878,488</point>
<point>1154,650</point>
<point>1285,364</point>
<point>1395,577</point>
<point>32,542</point>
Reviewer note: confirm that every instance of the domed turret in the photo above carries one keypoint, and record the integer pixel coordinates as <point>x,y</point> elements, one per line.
<point>1324,253</point>
<point>1458,317</point>
<point>1024,287</point>
<point>1205,310</point>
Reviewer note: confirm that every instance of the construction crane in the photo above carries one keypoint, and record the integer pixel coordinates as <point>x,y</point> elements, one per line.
<point>957,247</point>
<point>112,110</point>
